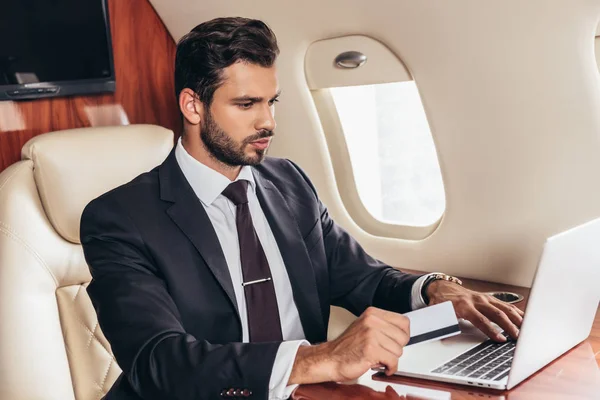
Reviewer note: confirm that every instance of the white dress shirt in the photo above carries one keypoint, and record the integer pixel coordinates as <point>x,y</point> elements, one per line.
<point>208,185</point>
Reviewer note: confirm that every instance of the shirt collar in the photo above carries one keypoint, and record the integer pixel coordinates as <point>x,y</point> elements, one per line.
<point>207,183</point>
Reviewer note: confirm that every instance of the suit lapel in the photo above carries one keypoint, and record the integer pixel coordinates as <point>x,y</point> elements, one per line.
<point>189,215</point>
<point>295,256</point>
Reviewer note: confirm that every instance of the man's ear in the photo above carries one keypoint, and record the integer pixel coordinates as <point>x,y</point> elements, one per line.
<point>191,107</point>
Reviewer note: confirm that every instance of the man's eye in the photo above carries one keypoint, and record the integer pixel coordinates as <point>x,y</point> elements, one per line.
<point>274,101</point>
<point>245,106</point>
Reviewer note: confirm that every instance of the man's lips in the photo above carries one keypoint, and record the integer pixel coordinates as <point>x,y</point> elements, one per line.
<point>261,143</point>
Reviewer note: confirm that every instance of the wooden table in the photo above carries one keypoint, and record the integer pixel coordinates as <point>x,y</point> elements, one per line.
<point>575,375</point>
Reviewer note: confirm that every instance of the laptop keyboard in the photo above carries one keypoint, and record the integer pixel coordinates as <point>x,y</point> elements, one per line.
<point>489,360</point>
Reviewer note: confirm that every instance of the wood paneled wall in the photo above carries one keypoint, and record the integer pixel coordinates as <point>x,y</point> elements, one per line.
<point>144,55</point>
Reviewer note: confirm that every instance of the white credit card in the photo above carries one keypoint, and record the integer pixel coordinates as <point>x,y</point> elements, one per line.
<point>433,323</point>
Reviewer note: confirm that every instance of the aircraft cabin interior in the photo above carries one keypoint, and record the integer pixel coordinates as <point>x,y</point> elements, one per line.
<point>339,199</point>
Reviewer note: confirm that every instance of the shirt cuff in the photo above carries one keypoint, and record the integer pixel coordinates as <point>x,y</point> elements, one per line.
<point>416,298</point>
<point>282,369</point>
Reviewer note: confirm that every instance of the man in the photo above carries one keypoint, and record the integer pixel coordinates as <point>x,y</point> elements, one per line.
<point>214,273</point>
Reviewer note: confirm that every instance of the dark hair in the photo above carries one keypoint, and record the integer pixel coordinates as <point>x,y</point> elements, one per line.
<point>213,46</point>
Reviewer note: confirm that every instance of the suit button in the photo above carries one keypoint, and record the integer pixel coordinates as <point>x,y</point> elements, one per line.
<point>246,393</point>
<point>230,392</point>
<point>224,392</point>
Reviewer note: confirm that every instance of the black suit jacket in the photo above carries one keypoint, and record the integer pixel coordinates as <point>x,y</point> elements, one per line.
<point>164,298</point>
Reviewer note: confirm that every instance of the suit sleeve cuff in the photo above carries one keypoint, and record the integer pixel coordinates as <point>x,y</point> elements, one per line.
<point>416,297</point>
<point>282,369</point>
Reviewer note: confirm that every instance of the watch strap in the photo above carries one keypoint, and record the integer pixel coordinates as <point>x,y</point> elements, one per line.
<point>436,277</point>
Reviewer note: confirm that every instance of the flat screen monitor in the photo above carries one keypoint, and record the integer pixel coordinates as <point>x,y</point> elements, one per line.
<point>54,48</point>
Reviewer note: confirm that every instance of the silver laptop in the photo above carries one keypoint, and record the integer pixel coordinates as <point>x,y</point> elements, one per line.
<point>560,313</point>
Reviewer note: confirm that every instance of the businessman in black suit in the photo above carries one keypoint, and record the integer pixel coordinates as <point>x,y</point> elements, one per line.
<point>214,273</point>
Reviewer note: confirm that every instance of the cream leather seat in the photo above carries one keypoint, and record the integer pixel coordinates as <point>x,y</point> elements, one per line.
<point>50,344</point>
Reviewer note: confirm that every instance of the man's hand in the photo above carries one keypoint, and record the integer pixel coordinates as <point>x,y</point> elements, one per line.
<point>377,337</point>
<point>478,308</point>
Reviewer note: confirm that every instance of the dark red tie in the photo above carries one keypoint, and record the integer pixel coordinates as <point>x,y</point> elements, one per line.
<point>264,324</point>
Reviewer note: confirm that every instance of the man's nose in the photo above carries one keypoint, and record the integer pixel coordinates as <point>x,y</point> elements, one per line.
<point>266,120</point>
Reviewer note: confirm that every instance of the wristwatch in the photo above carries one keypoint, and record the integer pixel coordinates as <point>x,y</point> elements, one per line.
<point>436,277</point>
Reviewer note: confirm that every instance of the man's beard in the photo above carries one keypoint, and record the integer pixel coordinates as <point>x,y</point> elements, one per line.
<point>222,147</point>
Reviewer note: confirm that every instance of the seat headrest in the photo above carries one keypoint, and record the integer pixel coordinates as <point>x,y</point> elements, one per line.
<point>73,167</point>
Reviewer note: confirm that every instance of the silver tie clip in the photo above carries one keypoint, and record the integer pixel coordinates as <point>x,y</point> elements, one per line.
<point>256,281</point>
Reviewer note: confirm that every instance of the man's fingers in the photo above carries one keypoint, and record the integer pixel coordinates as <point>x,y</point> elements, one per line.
<point>394,333</point>
<point>516,309</point>
<point>498,316</point>
<point>511,311</point>
<point>393,318</point>
<point>389,360</point>
<point>519,311</point>
<point>392,345</point>
<point>482,323</point>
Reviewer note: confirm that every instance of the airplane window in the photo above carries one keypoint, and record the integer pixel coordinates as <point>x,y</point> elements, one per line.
<point>392,152</point>
<point>598,50</point>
